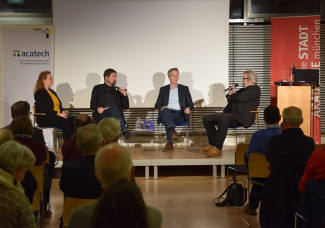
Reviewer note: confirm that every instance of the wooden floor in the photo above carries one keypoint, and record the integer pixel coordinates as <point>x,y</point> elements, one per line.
<point>185,201</point>
<point>184,194</point>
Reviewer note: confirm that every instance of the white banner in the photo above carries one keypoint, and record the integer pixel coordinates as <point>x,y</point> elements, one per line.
<point>26,52</point>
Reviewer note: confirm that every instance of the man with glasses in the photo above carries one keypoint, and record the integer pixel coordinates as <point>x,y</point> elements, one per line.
<point>236,113</point>
<point>174,104</point>
<point>23,108</point>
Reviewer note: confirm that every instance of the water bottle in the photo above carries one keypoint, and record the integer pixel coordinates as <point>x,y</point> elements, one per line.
<point>137,124</point>
<point>147,125</point>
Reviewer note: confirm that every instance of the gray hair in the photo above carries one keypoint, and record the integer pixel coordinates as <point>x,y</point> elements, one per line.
<point>292,115</point>
<point>5,136</point>
<point>15,156</point>
<point>252,75</point>
<point>89,138</point>
<point>113,162</point>
<point>110,129</point>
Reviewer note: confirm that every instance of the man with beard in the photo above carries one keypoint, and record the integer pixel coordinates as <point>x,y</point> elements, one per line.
<point>108,100</point>
<point>236,113</point>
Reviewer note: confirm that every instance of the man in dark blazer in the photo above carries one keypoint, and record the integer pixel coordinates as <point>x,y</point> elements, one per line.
<point>174,104</point>
<point>287,156</point>
<point>108,100</point>
<point>236,113</point>
<point>77,177</point>
<point>23,108</point>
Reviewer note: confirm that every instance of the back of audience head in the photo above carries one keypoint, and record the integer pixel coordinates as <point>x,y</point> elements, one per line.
<point>89,139</point>
<point>5,136</point>
<point>15,159</point>
<point>272,115</point>
<point>20,108</point>
<point>121,205</point>
<point>113,162</point>
<point>292,117</point>
<point>80,121</point>
<point>21,125</point>
<point>110,129</point>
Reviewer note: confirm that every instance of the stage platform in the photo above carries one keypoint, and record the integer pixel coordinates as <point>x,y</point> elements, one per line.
<point>149,155</point>
<point>180,156</point>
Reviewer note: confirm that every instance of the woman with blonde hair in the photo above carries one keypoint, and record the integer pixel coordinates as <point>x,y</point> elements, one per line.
<point>48,102</point>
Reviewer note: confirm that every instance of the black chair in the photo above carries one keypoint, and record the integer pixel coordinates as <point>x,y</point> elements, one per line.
<point>312,205</point>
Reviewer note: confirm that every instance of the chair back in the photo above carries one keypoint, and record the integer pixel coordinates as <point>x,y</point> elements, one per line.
<point>239,153</point>
<point>257,166</point>
<point>312,203</point>
<point>255,112</point>
<point>47,160</point>
<point>36,114</point>
<point>38,204</point>
<point>71,203</point>
<point>38,173</point>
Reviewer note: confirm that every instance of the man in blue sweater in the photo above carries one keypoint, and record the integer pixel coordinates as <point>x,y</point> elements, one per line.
<point>259,144</point>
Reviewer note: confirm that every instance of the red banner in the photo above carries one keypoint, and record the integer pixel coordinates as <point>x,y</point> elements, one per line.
<point>295,42</point>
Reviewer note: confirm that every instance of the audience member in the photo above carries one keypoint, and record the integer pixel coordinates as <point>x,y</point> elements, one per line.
<point>259,144</point>
<point>236,113</point>
<point>312,204</point>
<point>77,177</point>
<point>22,129</point>
<point>5,136</point>
<point>15,209</point>
<point>110,129</point>
<point>28,183</point>
<point>113,162</point>
<point>315,168</point>
<point>70,150</point>
<point>121,205</point>
<point>23,108</point>
<point>287,155</point>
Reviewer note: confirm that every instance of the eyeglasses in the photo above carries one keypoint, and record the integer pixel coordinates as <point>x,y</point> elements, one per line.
<point>245,78</point>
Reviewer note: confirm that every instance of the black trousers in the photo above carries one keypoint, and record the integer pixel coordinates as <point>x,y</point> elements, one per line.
<point>223,122</point>
<point>256,194</point>
<point>57,121</point>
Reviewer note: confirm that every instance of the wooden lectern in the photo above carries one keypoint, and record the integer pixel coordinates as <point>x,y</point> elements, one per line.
<point>299,95</point>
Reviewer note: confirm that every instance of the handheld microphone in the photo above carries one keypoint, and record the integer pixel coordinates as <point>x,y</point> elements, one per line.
<point>118,88</point>
<point>234,86</point>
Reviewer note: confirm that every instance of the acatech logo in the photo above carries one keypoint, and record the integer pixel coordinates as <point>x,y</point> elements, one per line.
<point>45,31</point>
<point>18,53</point>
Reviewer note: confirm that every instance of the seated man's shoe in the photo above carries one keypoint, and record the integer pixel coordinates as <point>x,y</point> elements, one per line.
<point>214,151</point>
<point>250,211</point>
<point>206,149</point>
<point>126,135</point>
<point>168,147</point>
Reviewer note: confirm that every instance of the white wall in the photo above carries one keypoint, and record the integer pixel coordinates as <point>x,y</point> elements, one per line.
<point>141,40</point>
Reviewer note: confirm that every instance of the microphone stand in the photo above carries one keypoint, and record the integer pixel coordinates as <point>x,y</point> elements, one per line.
<point>291,71</point>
